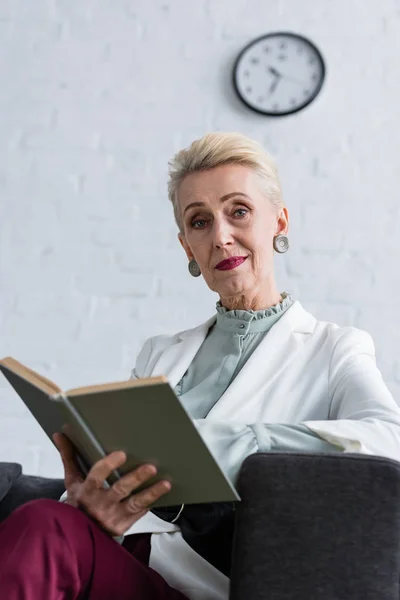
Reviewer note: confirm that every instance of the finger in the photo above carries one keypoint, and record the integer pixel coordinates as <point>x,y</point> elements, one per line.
<point>103,469</point>
<point>144,500</point>
<point>67,453</point>
<point>124,486</point>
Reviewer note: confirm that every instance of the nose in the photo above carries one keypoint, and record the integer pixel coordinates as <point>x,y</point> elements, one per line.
<point>222,234</point>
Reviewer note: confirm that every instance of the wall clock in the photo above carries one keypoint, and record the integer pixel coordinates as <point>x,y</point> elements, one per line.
<point>279,73</point>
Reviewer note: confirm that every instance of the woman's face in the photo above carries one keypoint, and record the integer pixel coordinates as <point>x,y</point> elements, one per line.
<point>228,226</point>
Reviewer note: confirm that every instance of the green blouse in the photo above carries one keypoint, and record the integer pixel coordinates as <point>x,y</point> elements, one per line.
<point>227,347</point>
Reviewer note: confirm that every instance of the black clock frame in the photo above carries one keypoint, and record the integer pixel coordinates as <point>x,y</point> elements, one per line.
<point>268,36</point>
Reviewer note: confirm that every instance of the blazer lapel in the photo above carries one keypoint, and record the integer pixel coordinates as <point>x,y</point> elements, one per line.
<point>175,360</point>
<point>268,361</point>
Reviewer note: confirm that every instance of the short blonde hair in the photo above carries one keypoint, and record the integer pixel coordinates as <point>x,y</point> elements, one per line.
<point>216,149</point>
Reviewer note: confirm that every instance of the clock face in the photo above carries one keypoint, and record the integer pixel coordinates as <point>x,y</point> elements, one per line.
<point>278,74</point>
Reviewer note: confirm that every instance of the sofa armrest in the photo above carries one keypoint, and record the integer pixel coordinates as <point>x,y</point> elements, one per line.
<point>317,527</point>
<point>24,488</point>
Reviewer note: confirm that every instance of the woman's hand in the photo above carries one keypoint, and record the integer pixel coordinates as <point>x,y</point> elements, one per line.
<point>114,508</point>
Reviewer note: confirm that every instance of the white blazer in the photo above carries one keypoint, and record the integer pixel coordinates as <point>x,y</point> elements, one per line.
<point>304,371</point>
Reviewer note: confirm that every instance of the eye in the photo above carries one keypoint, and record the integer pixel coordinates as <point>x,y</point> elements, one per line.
<point>198,223</point>
<point>241,212</point>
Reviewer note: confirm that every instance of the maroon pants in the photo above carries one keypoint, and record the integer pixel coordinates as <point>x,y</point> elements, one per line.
<point>50,550</point>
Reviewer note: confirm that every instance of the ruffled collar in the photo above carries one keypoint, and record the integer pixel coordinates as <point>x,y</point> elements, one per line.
<point>252,321</point>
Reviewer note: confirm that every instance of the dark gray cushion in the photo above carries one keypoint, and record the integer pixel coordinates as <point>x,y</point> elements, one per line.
<point>17,489</point>
<point>317,527</point>
<point>9,472</point>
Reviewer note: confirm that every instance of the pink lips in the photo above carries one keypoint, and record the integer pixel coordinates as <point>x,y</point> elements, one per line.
<point>230,263</point>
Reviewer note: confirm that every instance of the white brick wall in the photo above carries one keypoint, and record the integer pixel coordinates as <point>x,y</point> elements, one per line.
<point>96,95</point>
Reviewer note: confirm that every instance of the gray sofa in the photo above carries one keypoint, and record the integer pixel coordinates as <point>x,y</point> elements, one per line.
<point>309,527</point>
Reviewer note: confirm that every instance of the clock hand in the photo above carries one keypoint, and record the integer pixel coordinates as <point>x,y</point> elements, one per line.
<point>275,82</point>
<point>274,71</point>
<point>293,79</point>
<point>273,85</point>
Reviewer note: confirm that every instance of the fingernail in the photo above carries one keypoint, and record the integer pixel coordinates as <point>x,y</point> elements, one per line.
<point>150,469</point>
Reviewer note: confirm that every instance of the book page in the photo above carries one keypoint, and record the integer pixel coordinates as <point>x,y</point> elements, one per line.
<point>34,378</point>
<point>118,385</point>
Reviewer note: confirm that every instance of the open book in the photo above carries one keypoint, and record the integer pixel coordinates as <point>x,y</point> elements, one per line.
<point>142,417</point>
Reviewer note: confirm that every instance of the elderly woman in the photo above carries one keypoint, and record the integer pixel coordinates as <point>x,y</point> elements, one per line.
<point>261,374</point>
